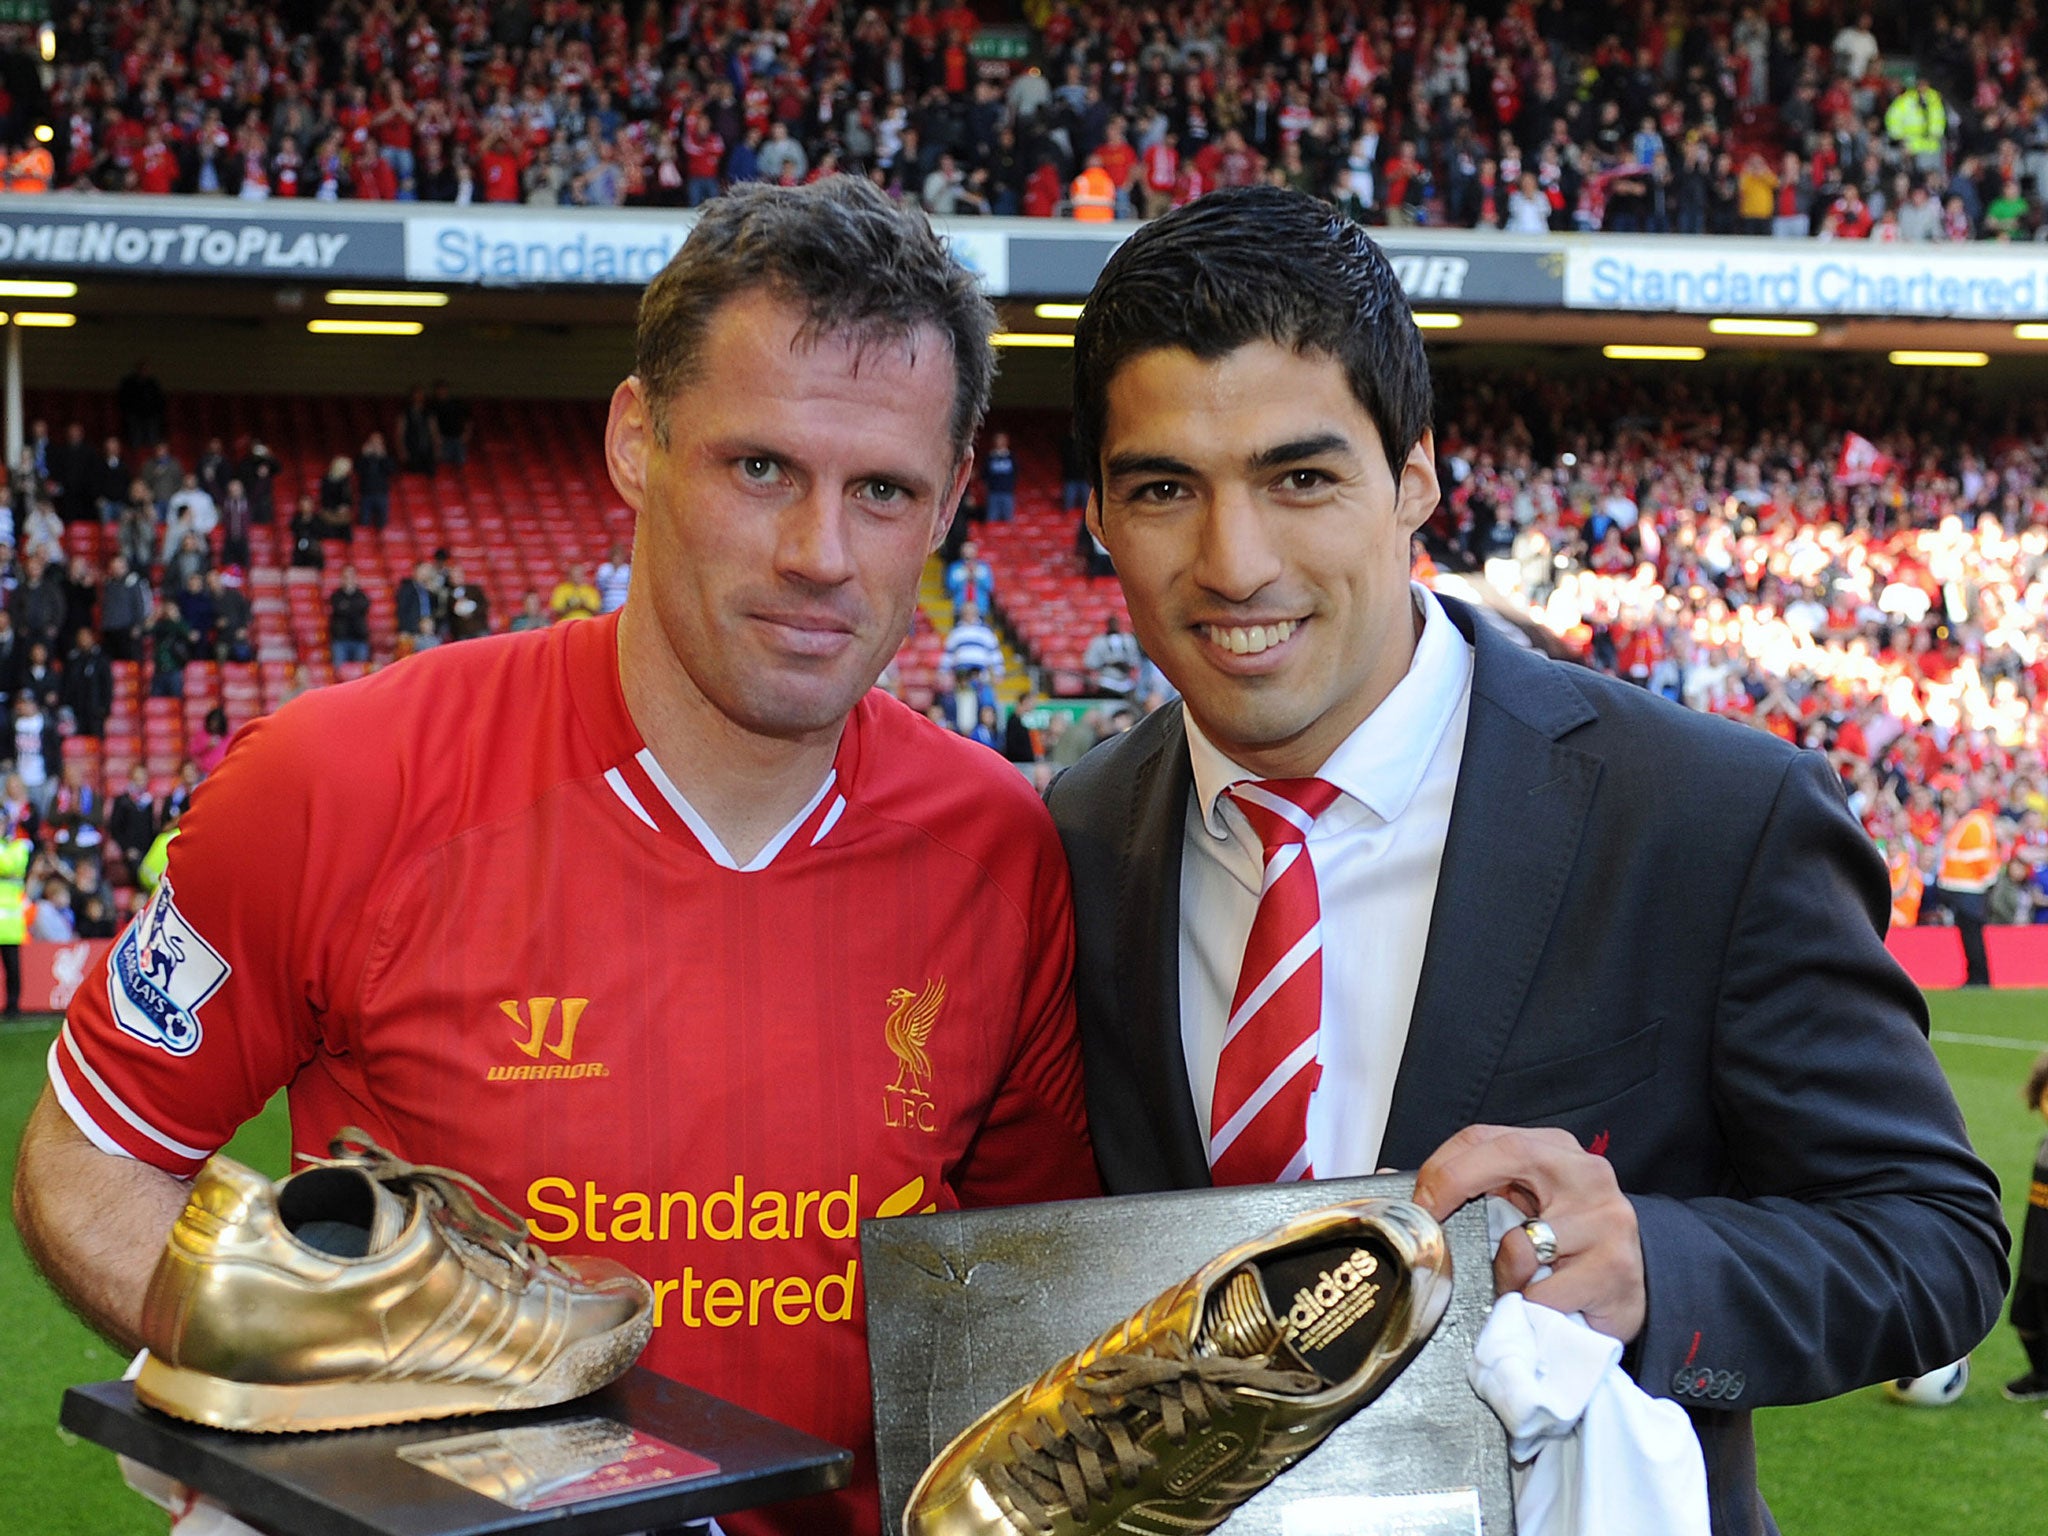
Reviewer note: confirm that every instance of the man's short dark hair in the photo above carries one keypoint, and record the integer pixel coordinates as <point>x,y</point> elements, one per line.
<point>840,251</point>
<point>1255,264</point>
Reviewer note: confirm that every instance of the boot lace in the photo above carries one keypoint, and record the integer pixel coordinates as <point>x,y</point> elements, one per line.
<point>469,1209</point>
<point>1061,1466</point>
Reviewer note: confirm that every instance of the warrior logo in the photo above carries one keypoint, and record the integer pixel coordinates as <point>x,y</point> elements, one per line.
<point>531,1039</point>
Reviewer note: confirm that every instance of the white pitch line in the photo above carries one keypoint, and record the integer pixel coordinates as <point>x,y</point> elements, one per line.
<point>1951,1037</point>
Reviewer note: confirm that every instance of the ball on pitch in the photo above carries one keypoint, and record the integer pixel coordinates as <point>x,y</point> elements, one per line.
<point>1937,1389</point>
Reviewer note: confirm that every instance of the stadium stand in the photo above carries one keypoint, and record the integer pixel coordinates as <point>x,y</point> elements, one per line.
<point>1849,555</point>
<point>514,518</point>
<point>1815,120</point>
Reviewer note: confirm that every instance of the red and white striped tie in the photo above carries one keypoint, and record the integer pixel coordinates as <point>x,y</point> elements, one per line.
<point>1258,1118</point>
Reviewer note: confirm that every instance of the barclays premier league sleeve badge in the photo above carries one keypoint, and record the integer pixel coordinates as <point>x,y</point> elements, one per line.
<point>160,974</point>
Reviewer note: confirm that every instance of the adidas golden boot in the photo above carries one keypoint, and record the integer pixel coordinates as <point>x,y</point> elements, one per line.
<point>1173,1418</point>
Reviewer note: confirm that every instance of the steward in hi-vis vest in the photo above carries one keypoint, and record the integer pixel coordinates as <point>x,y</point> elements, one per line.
<point>15,853</point>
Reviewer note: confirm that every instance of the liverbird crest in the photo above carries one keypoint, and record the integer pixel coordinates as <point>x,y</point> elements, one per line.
<point>908,1029</point>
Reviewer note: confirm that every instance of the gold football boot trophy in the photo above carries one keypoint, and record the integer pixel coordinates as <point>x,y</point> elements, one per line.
<point>1175,1417</point>
<point>366,1290</point>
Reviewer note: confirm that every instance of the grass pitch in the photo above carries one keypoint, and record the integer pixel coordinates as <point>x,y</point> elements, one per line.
<point>1859,1464</point>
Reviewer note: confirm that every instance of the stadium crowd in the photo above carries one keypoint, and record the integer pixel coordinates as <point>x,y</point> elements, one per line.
<point>1846,553</point>
<point>1818,119</point>
<point>172,593</point>
<point>1853,558</point>
<point>1737,542</point>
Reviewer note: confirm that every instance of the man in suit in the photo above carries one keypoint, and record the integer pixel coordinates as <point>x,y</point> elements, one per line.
<point>13,655</point>
<point>75,467</point>
<point>1553,938</point>
<point>417,599</point>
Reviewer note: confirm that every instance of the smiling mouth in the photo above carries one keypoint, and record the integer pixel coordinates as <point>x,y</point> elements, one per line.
<point>1249,639</point>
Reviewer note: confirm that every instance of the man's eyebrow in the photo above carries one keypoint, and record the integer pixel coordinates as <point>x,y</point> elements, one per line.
<point>1120,465</point>
<point>1300,448</point>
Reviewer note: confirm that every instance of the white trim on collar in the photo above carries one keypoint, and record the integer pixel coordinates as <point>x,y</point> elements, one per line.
<point>701,829</point>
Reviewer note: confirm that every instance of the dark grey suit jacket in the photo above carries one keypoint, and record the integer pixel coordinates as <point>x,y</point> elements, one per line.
<point>1661,932</point>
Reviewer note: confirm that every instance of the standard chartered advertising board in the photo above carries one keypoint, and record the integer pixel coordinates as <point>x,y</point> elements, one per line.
<point>1808,277</point>
<point>517,246</point>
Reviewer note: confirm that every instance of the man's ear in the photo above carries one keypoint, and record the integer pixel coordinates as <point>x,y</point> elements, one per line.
<point>1417,493</point>
<point>949,504</point>
<point>628,441</point>
<point>1092,515</point>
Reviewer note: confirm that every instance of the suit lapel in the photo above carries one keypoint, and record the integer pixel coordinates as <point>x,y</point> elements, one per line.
<point>1516,820</point>
<point>1148,921</point>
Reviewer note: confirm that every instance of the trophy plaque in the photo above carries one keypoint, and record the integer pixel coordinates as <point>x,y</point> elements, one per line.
<point>645,1453</point>
<point>965,1307</point>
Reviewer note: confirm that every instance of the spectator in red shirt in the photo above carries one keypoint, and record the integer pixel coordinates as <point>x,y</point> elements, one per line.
<point>1118,158</point>
<point>1238,165</point>
<point>1404,173</point>
<point>156,167</point>
<point>1852,215</point>
<point>703,154</point>
<point>1042,191</point>
<point>392,127</point>
<point>1162,170</point>
<point>500,166</point>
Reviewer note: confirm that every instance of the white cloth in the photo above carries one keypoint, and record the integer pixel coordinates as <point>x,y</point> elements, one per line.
<point>1592,1452</point>
<point>1376,854</point>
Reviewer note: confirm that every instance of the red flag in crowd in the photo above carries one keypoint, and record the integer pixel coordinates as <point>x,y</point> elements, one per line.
<point>1861,463</point>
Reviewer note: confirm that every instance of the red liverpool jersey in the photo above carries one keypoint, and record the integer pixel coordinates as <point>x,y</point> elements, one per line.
<point>460,905</point>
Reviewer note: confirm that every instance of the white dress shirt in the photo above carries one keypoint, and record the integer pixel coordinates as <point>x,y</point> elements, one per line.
<point>1376,852</point>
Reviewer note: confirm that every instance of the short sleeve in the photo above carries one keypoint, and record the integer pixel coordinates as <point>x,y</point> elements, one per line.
<point>215,994</point>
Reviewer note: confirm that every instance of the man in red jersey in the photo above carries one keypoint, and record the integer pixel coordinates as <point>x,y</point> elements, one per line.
<point>617,916</point>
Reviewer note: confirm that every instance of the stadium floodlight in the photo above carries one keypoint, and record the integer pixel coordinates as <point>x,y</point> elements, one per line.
<point>1058,311</point>
<point>1918,358</point>
<point>37,288</point>
<point>45,319</point>
<point>1728,325</point>
<point>1031,339</point>
<point>1634,352</point>
<point>45,133</point>
<point>46,43</point>
<point>2030,332</point>
<point>364,327</point>
<point>395,298</point>
<point>1426,320</point>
